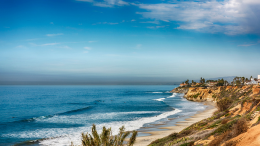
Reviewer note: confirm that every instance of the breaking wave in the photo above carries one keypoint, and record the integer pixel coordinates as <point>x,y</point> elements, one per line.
<point>64,136</point>
<point>160,99</point>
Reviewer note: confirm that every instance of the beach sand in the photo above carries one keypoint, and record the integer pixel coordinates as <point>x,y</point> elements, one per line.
<point>145,140</point>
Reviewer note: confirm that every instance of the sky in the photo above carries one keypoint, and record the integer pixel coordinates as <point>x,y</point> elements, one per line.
<point>127,42</point>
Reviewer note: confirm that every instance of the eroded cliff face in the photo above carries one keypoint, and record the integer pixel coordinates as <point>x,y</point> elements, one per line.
<point>208,93</point>
<point>198,93</point>
<point>202,93</point>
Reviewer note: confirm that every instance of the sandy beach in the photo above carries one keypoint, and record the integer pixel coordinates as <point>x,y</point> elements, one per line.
<point>145,140</point>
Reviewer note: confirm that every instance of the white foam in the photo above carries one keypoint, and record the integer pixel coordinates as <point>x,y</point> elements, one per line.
<point>192,105</point>
<point>156,92</point>
<point>64,136</point>
<point>160,99</point>
<point>83,118</point>
<point>173,95</point>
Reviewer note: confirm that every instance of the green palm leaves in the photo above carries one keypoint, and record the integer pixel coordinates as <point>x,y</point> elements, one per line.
<point>107,139</point>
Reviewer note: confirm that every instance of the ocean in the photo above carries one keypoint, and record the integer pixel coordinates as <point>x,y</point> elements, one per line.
<point>57,115</point>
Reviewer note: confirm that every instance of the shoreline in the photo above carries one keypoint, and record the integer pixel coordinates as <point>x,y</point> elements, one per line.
<point>154,135</point>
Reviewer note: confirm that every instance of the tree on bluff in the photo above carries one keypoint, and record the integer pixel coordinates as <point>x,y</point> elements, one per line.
<point>202,80</point>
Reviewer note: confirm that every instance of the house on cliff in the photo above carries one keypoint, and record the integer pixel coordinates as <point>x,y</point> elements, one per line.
<point>258,79</point>
<point>252,82</point>
<point>212,84</point>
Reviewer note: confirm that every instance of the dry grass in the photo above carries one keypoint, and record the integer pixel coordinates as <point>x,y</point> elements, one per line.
<point>218,140</point>
<point>225,121</point>
<point>224,104</point>
<point>240,127</point>
<point>230,143</point>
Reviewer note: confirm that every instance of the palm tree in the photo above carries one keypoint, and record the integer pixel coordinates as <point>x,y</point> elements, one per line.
<point>243,80</point>
<point>107,139</point>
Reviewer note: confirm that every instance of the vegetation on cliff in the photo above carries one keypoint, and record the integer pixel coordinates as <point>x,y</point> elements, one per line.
<point>238,81</point>
<point>238,111</point>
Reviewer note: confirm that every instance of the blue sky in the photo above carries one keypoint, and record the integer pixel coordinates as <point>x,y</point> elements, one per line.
<point>92,41</point>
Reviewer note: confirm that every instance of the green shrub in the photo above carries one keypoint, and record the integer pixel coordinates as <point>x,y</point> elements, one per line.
<point>180,140</point>
<point>188,144</point>
<point>162,141</point>
<point>196,95</point>
<point>215,124</point>
<point>258,108</point>
<point>225,127</point>
<point>227,114</point>
<point>248,116</point>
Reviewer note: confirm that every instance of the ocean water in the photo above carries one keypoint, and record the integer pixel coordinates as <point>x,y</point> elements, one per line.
<point>59,114</point>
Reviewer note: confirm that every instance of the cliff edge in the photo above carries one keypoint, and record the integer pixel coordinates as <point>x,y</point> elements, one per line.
<point>236,123</point>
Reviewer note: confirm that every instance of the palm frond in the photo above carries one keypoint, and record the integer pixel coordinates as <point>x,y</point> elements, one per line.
<point>106,138</point>
<point>132,139</point>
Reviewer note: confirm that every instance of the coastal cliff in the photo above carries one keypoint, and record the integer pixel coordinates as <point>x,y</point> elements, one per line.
<point>180,90</point>
<point>198,93</point>
<point>209,93</point>
<point>236,123</point>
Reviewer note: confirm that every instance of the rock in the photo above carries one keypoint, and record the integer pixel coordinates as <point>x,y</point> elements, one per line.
<point>180,90</point>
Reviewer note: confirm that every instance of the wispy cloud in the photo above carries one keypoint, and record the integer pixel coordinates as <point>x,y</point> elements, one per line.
<point>150,27</point>
<point>51,35</point>
<point>138,46</point>
<point>47,44</point>
<point>21,47</point>
<point>51,22</point>
<point>85,51</point>
<point>106,3</point>
<point>155,27</point>
<point>65,47</point>
<point>154,22</point>
<point>32,39</point>
<point>87,48</point>
<point>246,45</point>
<point>110,23</point>
<point>249,44</point>
<point>228,16</point>
<point>113,55</point>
